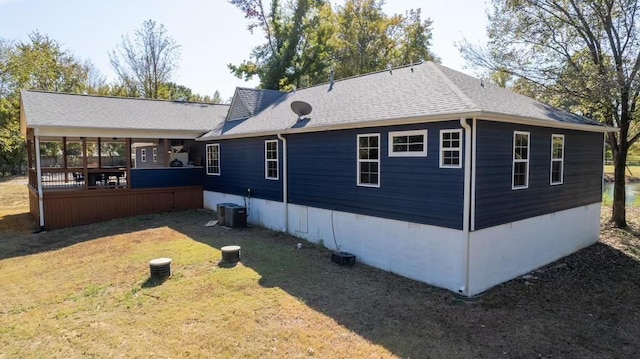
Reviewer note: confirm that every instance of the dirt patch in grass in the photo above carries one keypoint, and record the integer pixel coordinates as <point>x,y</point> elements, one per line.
<point>85,291</point>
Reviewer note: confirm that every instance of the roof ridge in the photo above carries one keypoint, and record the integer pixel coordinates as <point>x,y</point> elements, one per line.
<point>463,97</point>
<point>257,89</point>
<point>121,97</point>
<point>361,75</point>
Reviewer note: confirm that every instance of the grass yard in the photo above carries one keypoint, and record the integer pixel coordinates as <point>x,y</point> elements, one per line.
<point>85,292</point>
<point>633,171</point>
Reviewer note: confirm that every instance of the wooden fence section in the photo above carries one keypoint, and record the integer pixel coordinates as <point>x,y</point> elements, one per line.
<point>73,208</point>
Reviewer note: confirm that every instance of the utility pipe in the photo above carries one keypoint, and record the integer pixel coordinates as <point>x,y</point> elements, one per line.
<point>285,188</point>
<point>466,213</point>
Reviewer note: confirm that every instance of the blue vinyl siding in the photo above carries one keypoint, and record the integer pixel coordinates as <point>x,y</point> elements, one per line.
<point>166,177</point>
<point>242,166</point>
<point>323,171</point>
<point>497,203</point>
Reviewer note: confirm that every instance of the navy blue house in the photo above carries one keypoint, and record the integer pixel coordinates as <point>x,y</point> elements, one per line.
<point>422,171</point>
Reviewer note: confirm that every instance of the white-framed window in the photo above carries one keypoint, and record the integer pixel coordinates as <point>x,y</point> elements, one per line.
<point>557,159</point>
<point>271,159</point>
<point>143,155</point>
<point>369,160</point>
<point>520,178</point>
<point>155,154</point>
<point>213,159</point>
<point>408,143</point>
<point>451,148</point>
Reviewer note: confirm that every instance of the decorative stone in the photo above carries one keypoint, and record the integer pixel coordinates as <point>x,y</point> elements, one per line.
<point>230,253</point>
<point>160,268</point>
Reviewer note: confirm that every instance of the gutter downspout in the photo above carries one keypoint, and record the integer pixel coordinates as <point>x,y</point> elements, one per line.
<point>39,178</point>
<point>466,213</point>
<point>285,186</point>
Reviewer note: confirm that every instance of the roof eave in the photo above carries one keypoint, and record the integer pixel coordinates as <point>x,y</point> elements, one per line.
<point>484,115</point>
<point>63,131</point>
<point>532,121</point>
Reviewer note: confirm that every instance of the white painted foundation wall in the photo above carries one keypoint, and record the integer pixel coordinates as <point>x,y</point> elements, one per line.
<point>434,255</point>
<point>430,254</point>
<point>268,214</point>
<point>504,252</point>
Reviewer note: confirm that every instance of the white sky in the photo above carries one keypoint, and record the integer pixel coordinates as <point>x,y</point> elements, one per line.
<point>212,33</point>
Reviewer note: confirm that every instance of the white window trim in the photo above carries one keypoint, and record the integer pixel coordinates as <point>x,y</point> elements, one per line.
<point>155,154</point>
<point>459,148</point>
<point>212,145</point>
<point>423,153</point>
<point>143,155</point>
<point>513,157</point>
<point>368,160</point>
<point>561,160</point>
<point>267,160</point>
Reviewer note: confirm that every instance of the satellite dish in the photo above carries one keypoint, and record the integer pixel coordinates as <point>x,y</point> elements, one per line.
<point>301,108</point>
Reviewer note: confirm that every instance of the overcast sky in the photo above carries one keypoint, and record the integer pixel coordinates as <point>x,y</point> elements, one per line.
<point>212,33</point>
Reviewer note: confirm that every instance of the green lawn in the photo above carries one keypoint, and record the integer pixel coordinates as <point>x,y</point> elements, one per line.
<point>630,170</point>
<point>85,292</point>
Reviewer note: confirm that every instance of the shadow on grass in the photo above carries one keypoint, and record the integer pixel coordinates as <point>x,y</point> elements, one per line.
<point>21,222</point>
<point>584,305</point>
<point>577,307</point>
<point>227,264</point>
<point>24,239</point>
<point>153,282</point>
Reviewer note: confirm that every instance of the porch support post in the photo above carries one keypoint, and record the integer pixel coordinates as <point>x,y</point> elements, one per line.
<point>64,159</point>
<point>99,152</point>
<point>39,179</point>
<point>166,152</point>
<point>128,157</point>
<point>85,170</point>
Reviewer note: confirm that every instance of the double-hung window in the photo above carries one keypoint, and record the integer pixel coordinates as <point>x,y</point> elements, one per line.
<point>408,143</point>
<point>155,154</point>
<point>143,155</point>
<point>271,159</point>
<point>451,148</point>
<point>213,159</point>
<point>369,160</point>
<point>520,178</point>
<point>557,159</point>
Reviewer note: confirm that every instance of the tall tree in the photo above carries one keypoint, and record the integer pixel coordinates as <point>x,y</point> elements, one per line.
<point>39,64</point>
<point>274,62</point>
<point>307,39</point>
<point>146,63</point>
<point>586,54</point>
<point>367,37</point>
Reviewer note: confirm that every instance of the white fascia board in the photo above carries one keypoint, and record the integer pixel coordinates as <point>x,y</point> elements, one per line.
<point>497,117</point>
<point>480,115</point>
<point>114,132</point>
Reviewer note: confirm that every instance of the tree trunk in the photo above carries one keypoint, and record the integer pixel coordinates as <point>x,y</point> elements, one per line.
<point>619,218</point>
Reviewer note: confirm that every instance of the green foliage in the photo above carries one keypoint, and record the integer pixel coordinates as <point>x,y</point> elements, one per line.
<point>38,64</point>
<point>580,55</point>
<point>307,39</point>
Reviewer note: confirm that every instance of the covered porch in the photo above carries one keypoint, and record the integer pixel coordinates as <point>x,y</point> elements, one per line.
<point>92,159</point>
<point>82,180</point>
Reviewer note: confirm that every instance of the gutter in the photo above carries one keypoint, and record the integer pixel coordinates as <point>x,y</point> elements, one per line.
<point>466,213</point>
<point>285,187</point>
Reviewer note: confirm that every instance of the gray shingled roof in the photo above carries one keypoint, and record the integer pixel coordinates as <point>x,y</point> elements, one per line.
<point>422,90</point>
<point>49,109</point>
<point>248,102</point>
